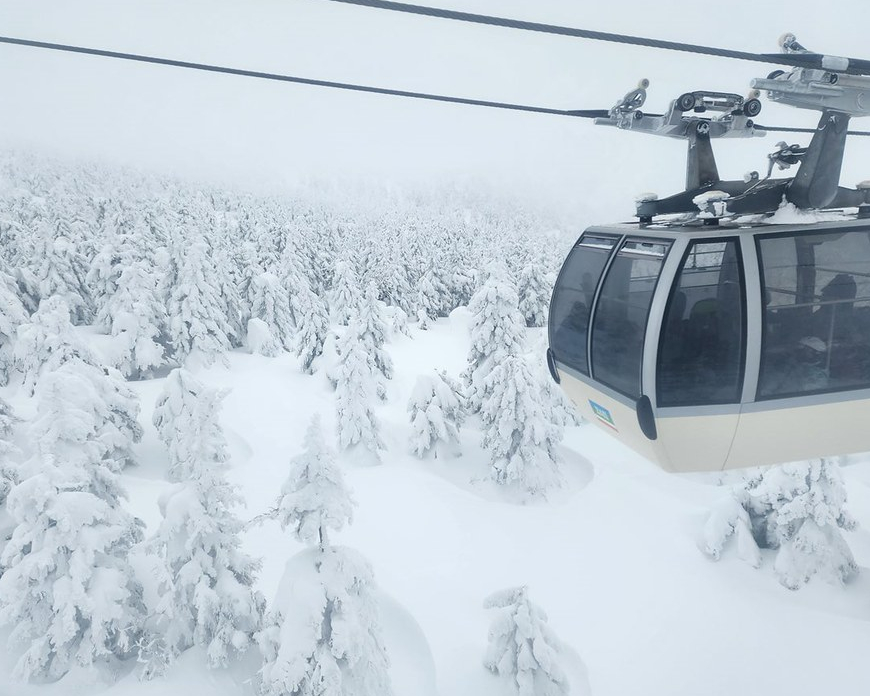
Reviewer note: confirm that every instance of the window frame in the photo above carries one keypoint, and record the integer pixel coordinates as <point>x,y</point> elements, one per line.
<point>792,234</point>
<point>744,343</point>
<point>585,370</point>
<point>668,242</point>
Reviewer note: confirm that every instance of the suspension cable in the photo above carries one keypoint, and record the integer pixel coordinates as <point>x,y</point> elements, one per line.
<point>240,72</point>
<point>564,31</point>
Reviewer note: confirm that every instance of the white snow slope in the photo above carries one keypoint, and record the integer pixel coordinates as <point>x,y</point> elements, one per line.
<point>614,559</point>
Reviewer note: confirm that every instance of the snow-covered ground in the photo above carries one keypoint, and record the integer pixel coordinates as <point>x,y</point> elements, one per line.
<point>614,558</point>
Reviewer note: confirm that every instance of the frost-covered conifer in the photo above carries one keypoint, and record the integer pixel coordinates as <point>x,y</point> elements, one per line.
<point>197,311</point>
<point>259,339</point>
<point>62,271</point>
<point>324,636</point>
<point>521,431</point>
<point>186,418</point>
<point>344,296</point>
<point>271,304</point>
<point>314,498</point>
<point>135,315</point>
<point>12,315</point>
<point>330,644</point>
<point>372,322</point>
<point>207,595</point>
<point>433,297</point>
<point>47,341</point>
<point>68,589</point>
<point>437,411</point>
<point>312,326</point>
<point>356,387</point>
<point>797,509</point>
<point>8,470</point>
<point>496,332</point>
<point>534,288</point>
<point>522,648</point>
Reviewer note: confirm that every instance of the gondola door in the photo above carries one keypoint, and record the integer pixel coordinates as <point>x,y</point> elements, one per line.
<point>701,357</point>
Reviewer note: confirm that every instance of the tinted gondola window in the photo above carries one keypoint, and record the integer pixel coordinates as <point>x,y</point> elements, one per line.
<point>702,344</point>
<point>572,299</point>
<point>816,334</point>
<point>619,324</point>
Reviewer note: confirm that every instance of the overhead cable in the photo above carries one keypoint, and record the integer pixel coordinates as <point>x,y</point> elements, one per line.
<point>240,72</point>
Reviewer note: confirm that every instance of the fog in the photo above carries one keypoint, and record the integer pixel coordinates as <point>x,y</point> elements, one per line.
<point>267,135</point>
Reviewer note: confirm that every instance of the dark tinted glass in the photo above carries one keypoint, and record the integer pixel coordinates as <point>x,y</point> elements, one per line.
<point>572,299</point>
<point>701,350</point>
<point>619,323</point>
<point>816,335</point>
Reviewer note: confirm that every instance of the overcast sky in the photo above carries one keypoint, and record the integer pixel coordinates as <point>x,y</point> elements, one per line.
<point>270,134</point>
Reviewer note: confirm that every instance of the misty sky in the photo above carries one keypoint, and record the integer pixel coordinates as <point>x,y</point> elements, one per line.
<point>271,134</point>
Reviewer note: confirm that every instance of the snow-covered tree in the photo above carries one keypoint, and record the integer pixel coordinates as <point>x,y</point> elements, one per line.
<point>344,296</point>
<point>330,644</point>
<point>521,431</point>
<point>324,636</point>
<point>437,411</point>
<point>259,339</point>
<point>522,648</point>
<point>271,304</point>
<point>797,509</point>
<point>314,498</point>
<point>197,310</point>
<point>47,341</point>
<point>186,418</point>
<point>356,387</point>
<point>207,595</point>
<point>12,315</point>
<point>135,315</point>
<point>312,326</point>
<point>8,470</point>
<point>62,271</point>
<point>534,288</point>
<point>372,322</point>
<point>433,297</point>
<point>496,332</point>
<point>68,589</point>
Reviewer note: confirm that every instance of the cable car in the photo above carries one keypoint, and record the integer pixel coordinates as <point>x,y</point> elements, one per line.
<point>705,348</point>
<point>714,339</point>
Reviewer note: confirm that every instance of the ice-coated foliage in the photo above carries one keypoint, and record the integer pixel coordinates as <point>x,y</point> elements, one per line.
<point>521,429</point>
<point>797,509</point>
<point>271,304</point>
<point>314,498</point>
<point>206,589</point>
<point>68,589</point>
<point>207,595</point>
<point>534,289</point>
<point>496,333</point>
<point>312,326</point>
<point>47,341</point>
<point>331,644</point>
<point>522,648</point>
<point>344,297</point>
<point>372,321</point>
<point>8,469</point>
<point>197,310</point>
<point>135,315</point>
<point>437,411</point>
<point>357,386</point>
<point>259,339</point>
<point>12,315</point>
<point>62,271</point>
<point>433,297</point>
<point>186,418</point>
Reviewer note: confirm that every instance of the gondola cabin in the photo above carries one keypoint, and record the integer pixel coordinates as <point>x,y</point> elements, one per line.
<point>705,348</point>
